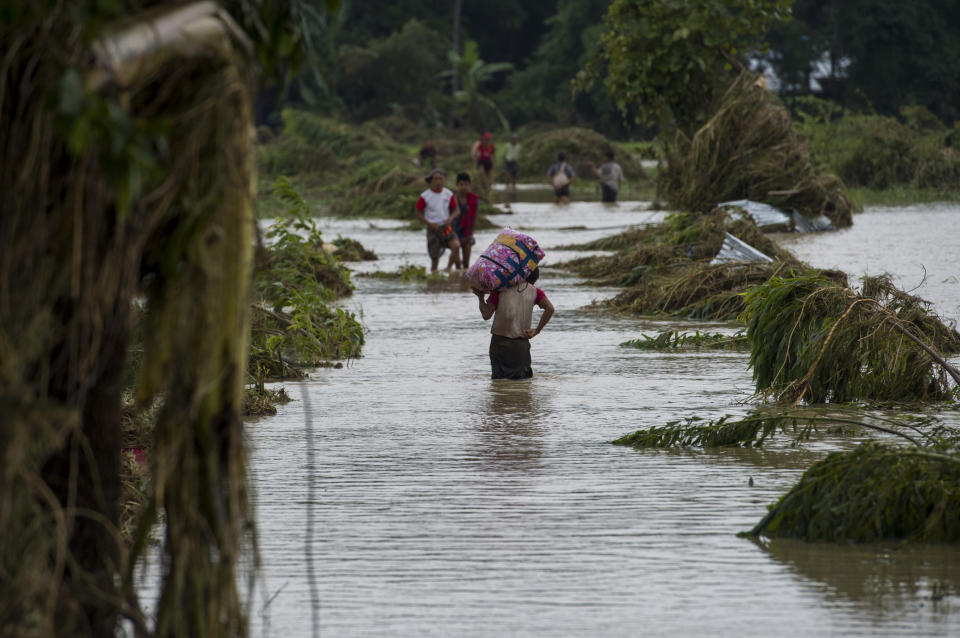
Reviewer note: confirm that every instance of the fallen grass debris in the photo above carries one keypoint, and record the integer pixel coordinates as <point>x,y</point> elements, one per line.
<point>408,273</point>
<point>748,149</point>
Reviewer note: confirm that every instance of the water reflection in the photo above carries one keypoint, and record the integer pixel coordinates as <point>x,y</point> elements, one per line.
<point>882,578</point>
<point>510,428</point>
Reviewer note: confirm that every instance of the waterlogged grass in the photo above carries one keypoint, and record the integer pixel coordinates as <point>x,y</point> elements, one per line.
<point>676,340</point>
<point>352,250</point>
<point>902,196</point>
<point>876,492</point>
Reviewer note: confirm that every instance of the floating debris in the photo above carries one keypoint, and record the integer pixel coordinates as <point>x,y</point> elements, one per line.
<point>771,219</point>
<point>736,250</point>
<point>765,216</point>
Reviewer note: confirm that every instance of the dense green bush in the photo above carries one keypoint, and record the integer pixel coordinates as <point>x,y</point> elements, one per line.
<point>879,152</point>
<point>396,75</point>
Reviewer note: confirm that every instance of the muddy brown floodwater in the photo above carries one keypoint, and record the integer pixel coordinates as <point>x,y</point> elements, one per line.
<point>448,504</point>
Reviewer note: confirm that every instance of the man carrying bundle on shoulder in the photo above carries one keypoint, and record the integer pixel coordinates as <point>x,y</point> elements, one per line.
<point>512,312</point>
<point>438,209</point>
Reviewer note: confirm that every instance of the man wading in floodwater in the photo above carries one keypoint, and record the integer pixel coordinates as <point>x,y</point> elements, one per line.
<point>437,208</point>
<point>512,312</point>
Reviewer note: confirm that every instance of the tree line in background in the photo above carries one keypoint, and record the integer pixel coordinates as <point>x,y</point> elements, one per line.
<point>519,61</point>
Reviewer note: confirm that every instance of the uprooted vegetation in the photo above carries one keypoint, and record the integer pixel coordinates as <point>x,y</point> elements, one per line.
<point>877,491</point>
<point>748,149</point>
<point>815,340</point>
<point>812,339</point>
<point>675,340</point>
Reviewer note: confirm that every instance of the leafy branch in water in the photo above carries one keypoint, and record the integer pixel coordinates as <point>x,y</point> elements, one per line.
<point>798,424</point>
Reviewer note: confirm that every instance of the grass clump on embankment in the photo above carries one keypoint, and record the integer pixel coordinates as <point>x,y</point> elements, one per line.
<point>748,149</point>
<point>665,269</point>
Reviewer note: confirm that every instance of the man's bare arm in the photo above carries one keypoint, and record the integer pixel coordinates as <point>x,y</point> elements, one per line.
<point>544,318</point>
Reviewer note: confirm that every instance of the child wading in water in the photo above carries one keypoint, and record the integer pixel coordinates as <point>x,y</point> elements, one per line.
<point>512,312</point>
<point>467,203</point>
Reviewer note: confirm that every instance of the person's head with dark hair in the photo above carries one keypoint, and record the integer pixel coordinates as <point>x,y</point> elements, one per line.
<point>561,156</point>
<point>463,177</point>
<point>533,276</point>
<point>609,154</point>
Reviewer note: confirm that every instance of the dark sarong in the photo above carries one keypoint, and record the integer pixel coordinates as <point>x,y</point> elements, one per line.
<point>510,358</point>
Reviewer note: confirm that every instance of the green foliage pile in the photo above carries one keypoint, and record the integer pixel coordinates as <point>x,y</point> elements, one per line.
<point>581,146</point>
<point>665,268</point>
<point>676,340</point>
<point>352,250</point>
<point>408,273</point>
<point>880,152</point>
<point>817,340</point>
<point>748,149</point>
<point>296,280</point>
<point>874,493</point>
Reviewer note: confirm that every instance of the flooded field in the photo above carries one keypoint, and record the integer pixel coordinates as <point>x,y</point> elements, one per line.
<point>443,503</point>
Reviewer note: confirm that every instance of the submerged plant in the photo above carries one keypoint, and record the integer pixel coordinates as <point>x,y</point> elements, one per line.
<point>408,273</point>
<point>876,492</point>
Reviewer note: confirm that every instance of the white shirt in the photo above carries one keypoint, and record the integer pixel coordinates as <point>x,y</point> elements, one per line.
<point>435,206</point>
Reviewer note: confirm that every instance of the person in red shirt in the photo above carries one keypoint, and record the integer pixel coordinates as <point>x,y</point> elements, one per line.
<point>483,152</point>
<point>510,335</point>
<point>467,203</point>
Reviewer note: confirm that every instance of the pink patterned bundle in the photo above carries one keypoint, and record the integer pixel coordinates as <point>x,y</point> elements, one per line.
<point>506,262</point>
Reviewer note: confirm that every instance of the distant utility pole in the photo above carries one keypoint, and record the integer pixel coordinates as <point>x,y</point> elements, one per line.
<point>457,6</point>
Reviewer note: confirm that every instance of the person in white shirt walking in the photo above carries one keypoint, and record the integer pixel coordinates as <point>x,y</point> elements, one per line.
<point>437,208</point>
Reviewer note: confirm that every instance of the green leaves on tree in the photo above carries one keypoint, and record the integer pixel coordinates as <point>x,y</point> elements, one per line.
<point>667,58</point>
